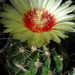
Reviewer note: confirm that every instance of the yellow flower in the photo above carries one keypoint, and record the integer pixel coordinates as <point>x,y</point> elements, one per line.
<point>38,21</point>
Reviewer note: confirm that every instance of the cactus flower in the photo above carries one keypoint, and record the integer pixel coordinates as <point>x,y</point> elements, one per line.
<point>38,21</point>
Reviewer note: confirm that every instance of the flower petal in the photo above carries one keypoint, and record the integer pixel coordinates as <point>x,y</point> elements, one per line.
<point>55,6</point>
<point>44,4</point>
<point>17,5</point>
<point>58,33</point>
<point>33,3</point>
<point>39,3</point>
<point>31,42</point>
<point>48,4</point>
<point>54,19</point>
<point>26,35</point>
<point>20,29</point>
<point>63,6</point>
<point>71,24</point>
<point>64,28</point>
<point>7,30</point>
<point>17,35</point>
<point>65,11</point>
<point>24,4</point>
<point>10,9</point>
<point>37,39</point>
<point>11,16</point>
<point>54,37</point>
<point>46,36</point>
<point>66,18</point>
<point>11,23</point>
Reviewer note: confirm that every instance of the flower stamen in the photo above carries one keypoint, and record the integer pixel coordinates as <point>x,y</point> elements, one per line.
<point>39,20</point>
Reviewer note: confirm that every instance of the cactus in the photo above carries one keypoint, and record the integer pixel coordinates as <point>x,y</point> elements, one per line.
<point>22,59</point>
<point>36,34</point>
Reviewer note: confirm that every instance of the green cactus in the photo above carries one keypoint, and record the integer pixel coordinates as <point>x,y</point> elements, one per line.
<point>22,59</point>
<point>35,25</point>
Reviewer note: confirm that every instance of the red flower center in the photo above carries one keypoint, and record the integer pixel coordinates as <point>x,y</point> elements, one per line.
<point>39,20</point>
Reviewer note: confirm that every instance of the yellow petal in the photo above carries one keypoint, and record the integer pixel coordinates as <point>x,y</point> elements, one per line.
<point>64,28</point>
<point>70,24</point>
<point>17,35</point>
<point>55,5</point>
<point>66,11</point>
<point>37,37</point>
<point>63,6</point>
<point>7,30</point>
<point>17,5</point>
<point>58,33</point>
<point>54,37</point>
<point>31,42</point>
<point>11,16</point>
<point>20,29</point>
<point>24,4</point>
<point>10,9</point>
<point>11,23</point>
<point>66,18</point>
<point>46,36</point>
<point>26,35</point>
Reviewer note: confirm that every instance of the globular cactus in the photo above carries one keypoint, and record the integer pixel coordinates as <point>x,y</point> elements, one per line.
<point>22,59</point>
<point>34,24</point>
